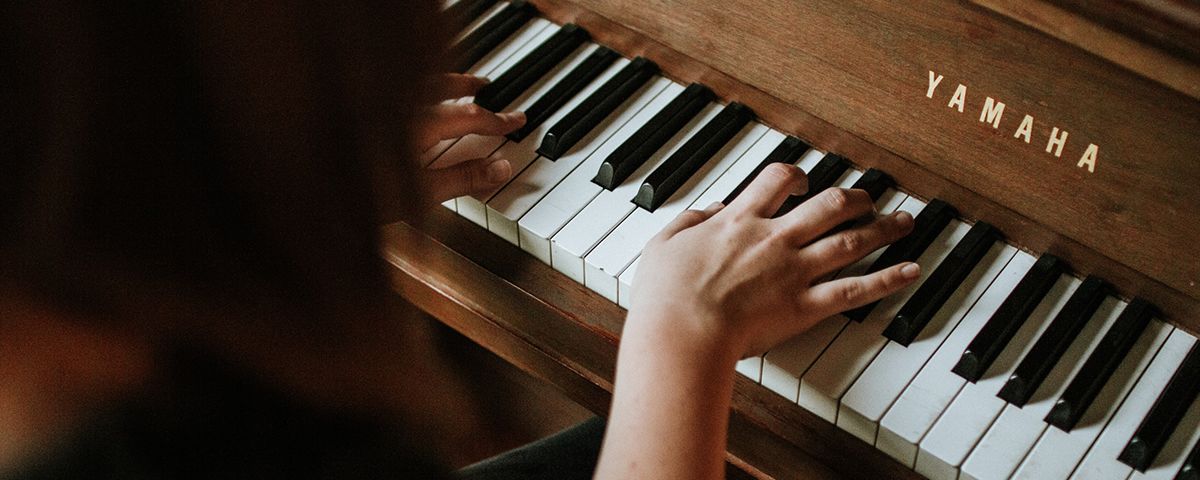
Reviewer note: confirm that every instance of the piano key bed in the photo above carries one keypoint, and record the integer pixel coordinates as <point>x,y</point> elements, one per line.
<point>995,364</point>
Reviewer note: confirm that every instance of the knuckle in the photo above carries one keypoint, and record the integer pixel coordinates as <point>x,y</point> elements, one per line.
<point>851,199</point>
<point>850,243</point>
<point>837,198</point>
<point>852,292</point>
<point>781,171</point>
<point>474,110</point>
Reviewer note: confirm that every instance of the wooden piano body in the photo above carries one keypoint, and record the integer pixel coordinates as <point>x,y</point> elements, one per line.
<point>1093,158</point>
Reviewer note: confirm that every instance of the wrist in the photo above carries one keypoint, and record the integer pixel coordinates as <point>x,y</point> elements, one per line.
<point>692,334</point>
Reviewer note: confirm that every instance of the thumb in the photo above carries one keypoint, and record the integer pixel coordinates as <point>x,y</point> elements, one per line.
<point>474,177</point>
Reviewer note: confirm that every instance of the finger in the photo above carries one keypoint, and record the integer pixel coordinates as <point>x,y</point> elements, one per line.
<point>770,188</point>
<point>843,248</point>
<point>453,120</point>
<point>826,210</point>
<point>843,294</point>
<point>688,219</point>
<point>475,177</point>
<point>714,208</point>
<point>458,85</point>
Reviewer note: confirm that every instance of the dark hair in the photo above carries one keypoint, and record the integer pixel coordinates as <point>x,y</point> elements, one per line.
<point>229,156</point>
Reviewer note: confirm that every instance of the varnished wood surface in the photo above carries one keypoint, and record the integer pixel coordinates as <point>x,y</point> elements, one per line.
<point>1170,25</point>
<point>546,324</point>
<point>851,77</point>
<point>1169,60</point>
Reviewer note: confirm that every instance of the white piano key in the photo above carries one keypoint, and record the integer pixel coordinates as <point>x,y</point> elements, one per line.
<point>931,392</point>
<point>806,162</point>
<point>491,66</point>
<point>622,245</point>
<point>571,195</point>
<point>882,382</point>
<point>1101,460</point>
<point>610,207</point>
<point>513,48</point>
<point>1001,447</point>
<point>736,173</point>
<point>786,363</point>
<point>521,154</point>
<point>1174,452</point>
<point>1057,453</point>
<point>1013,435</point>
<point>528,187</point>
<point>832,374</point>
<point>975,408</point>
<point>751,368</point>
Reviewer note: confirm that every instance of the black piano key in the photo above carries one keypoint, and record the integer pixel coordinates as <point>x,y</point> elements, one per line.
<point>822,176</point>
<point>576,124</point>
<point>693,154</point>
<point>578,78</point>
<point>464,12</point>
<point>1055,340</point>
<point>926,227</point>
<point>486,37</point>
<point>949,275</point>
<point>1100,365</point>
<point>650,137</point>
<point>790,149</point>
<point>1170,407</point>
<point>1008,318</point>
<point>1191,465</point>
<point>496,95</point>
<point>874,182</point>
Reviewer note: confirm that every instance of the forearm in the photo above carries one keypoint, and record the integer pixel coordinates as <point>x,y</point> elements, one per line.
<point>670,403</point>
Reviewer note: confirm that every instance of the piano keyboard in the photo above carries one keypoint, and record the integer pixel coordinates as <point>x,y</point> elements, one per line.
<point>995,364</point>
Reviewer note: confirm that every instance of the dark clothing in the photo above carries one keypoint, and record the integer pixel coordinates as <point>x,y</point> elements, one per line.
<point>211,422</point>
<point>568,455</point>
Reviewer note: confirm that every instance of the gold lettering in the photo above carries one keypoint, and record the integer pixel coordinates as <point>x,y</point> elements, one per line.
<point>933,83</point>
<point>992,111</point>
<point>1056,142</point>
<point>960,96</point>
<point>1025,129</point>
<point>1089,158</point>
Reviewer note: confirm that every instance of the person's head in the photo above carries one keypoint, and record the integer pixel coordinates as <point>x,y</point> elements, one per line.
<point>213,173</point>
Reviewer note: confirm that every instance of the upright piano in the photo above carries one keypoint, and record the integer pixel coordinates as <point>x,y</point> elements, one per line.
<point>1049,149</point>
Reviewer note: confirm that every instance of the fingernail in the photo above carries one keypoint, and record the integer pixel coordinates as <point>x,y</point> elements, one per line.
<point>910,271</point>
<point>498,171</point>
<point>904,219</point>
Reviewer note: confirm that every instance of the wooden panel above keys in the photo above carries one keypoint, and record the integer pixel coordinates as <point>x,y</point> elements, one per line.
<point>853,78</point>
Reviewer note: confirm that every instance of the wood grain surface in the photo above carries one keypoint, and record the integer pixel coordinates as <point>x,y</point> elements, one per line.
<point>851,77</point>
